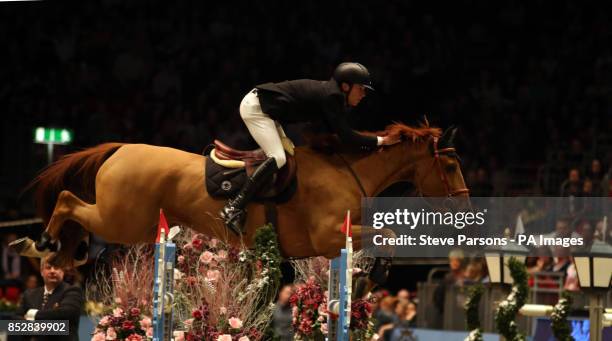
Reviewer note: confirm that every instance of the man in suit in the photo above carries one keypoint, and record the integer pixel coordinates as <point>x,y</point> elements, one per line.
<point>55,300</point>
<point>269,105</point>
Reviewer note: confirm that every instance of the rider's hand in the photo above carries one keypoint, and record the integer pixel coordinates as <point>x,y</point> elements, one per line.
<point>389,140</point>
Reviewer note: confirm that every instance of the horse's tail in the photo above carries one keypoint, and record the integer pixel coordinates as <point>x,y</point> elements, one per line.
<point>75,172</point>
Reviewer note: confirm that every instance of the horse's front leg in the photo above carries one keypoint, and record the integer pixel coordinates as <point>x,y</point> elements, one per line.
<point>362,237</point>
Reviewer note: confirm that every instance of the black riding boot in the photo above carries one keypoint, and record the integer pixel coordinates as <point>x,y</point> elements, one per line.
<point>234,211</point>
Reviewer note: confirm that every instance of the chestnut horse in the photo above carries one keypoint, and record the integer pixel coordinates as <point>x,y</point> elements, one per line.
<point>116,190</point>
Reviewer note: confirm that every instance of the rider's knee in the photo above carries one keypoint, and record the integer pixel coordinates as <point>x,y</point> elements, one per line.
<point>280,160</point>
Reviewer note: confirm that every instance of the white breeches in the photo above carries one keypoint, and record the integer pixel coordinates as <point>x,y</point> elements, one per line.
<point>266,132</point>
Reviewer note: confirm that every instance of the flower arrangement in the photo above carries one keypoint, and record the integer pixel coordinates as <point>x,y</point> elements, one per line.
<point>309,302</point>
<point>125,282</point>
<point>221,292</point>
<point>227,291</point>
<point>128,325</point>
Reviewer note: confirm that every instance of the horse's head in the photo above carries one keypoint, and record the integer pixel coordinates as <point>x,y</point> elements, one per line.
<point>439,175</point>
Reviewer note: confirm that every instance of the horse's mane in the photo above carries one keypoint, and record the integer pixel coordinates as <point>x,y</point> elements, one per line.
<point>406,132</point>
<point>326,142</point>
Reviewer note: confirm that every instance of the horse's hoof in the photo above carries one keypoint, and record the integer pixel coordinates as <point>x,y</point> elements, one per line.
<point>21,244</point>
<point>44,243</point>
<point>25,247</point>
<point>78,262</point>
<point>81,252</point>
<point>380,270</point>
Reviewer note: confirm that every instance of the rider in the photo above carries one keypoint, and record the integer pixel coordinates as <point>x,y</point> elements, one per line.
<point>303,100</point>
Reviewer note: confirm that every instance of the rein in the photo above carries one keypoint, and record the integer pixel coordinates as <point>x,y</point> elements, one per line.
<point>348,165</point>
<point>437,163</point>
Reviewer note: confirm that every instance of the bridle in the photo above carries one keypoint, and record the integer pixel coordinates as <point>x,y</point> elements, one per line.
<point>437,163</point>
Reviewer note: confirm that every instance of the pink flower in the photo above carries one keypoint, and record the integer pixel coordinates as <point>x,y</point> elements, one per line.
<point>149,332</point>
<point>179,335</point>
<point>222,254</point>
<point>145,323</point>
<point>235,323</point>
<point>98,337</point>
<point>191,280</point>
<point>104,321</point>
<point>212,275</point>
<point>214,242</point>
<point>134,337</point>
<point>117,312</point>
<point>223,310</point>
<point>224,337</point>
<point>181,259</point>
<point>244,338</point>
<point>111,334</point>
<point>206,257</point>
<point>134,312</point>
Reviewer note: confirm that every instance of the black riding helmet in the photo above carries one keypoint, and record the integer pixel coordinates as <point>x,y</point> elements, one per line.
<point>353,73</point>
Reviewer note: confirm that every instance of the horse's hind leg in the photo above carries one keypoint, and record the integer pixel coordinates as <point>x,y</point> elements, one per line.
<point>69,208</point>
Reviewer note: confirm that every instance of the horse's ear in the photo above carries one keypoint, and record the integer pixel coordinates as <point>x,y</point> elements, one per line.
<point>445,139</point>
<point>448,138</point>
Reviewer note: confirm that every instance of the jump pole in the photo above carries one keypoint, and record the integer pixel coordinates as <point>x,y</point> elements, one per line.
<point>340,287</point>
<point>165,251</point>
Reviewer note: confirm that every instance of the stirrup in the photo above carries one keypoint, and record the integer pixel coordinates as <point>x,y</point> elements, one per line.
<point>234,220</point>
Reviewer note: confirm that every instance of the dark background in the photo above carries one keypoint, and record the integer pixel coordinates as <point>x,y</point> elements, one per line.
<point>529,83</point>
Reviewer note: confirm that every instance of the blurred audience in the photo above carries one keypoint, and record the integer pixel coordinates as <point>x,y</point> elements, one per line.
<point>281,318</point>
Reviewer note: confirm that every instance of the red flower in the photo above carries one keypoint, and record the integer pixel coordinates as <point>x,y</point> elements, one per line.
<point>127,325</point>
<point>197,314</point>
<point>135,312</point>
<point>197,244</point>
<point>134,337</point>
<point>306,327</point>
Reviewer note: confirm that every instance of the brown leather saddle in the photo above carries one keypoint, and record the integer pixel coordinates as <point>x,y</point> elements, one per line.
<point>248,160</point>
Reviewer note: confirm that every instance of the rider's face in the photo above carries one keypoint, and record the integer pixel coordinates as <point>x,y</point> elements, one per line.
<point>356,93</point>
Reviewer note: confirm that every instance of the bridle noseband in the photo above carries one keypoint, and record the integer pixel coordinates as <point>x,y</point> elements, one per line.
<point>436,162</point>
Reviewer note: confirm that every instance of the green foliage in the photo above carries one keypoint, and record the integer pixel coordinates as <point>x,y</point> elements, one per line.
<point>267,252</point>
<point>471,313</point>
<point>560,326</point>
<point>6,305</point>
<point>507,310</point>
